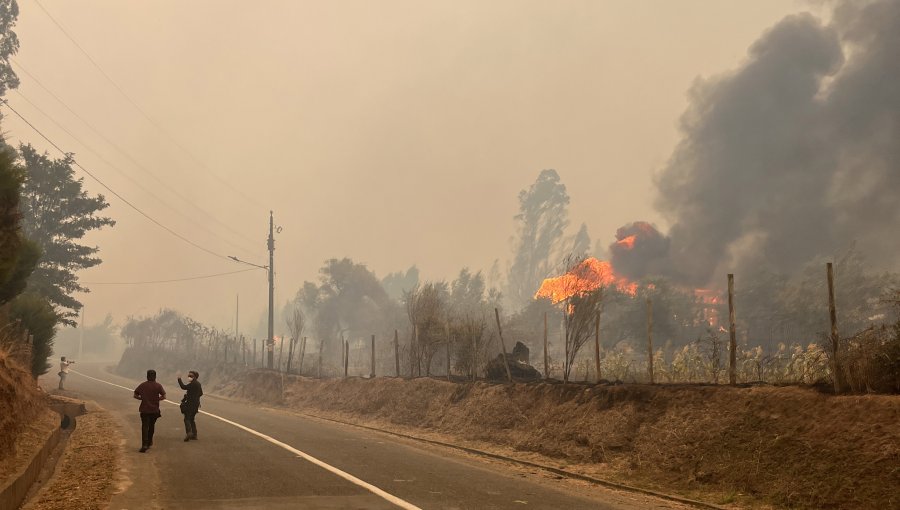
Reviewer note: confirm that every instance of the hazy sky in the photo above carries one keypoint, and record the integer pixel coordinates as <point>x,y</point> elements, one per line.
<point>391,132</point>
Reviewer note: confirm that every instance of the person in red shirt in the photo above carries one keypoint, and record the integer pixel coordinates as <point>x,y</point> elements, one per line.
<point>150,393</point>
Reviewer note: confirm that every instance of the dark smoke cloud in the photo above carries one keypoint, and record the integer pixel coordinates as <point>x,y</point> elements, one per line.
<point>640,250</point>
<point>794,154</point>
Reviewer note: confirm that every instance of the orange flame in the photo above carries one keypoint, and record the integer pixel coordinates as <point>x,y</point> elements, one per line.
<point>589,275</point>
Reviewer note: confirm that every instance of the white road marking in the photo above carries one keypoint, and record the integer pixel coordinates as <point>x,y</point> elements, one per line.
<point>328,467</point>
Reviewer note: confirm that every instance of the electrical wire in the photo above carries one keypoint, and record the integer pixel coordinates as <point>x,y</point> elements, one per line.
<point>172,280</point>
<point>133,180</point>
<point>114,192</point>
<point>141,110</point>
<point>121,151</point>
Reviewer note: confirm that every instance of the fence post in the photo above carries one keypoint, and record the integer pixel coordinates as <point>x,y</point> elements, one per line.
<point>732,334</point>
<point>832,314</point>
<point>597,345</point>
<point>372,372</point>
<point>474,357</point>
<point>546,354</point>
<point>502,345</point>
<point>448,351</point>
<point>397,352</point>
<point>650,338</point>
<point>346,357</point>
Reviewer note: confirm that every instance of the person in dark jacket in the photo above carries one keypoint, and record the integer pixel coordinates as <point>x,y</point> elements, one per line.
<point>190,404</point>
<point>150,393</point>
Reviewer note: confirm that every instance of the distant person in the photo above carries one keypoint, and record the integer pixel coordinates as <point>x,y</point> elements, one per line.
<point>190,404</point>
<point>63,371</point>
<point>150,393</point>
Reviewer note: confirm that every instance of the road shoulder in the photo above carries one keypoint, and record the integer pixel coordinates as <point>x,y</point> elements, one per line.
<point>86,475</point>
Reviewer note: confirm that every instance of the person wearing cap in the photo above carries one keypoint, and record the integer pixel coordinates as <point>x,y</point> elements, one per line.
<point>190,404</point>
<point>150,393</point>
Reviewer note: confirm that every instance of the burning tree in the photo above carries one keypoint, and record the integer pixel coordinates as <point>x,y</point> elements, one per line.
<point>580,291</point>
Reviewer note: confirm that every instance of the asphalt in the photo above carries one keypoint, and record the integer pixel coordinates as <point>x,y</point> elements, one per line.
<point>274,459</point>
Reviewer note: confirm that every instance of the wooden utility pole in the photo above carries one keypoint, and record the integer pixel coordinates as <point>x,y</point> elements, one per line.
<point>597,346</point>
<point>254,352</point>
<point>372,371</point>
<point>81,335</point>
<point>835,339</point>
<point>270,341</point>
<point>546,354</point>
<point>502,345</point>
<point>397,352</point>
<point>650,338</point>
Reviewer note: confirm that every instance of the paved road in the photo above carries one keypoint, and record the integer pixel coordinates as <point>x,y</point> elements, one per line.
<point>273,459</point>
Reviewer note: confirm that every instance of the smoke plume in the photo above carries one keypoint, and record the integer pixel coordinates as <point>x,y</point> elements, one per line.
<point>794,154</point>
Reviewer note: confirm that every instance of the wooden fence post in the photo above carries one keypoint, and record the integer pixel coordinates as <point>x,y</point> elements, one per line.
<point>474,357</point>
<point>732,334</point>
<point>650,338</point>
<point>835,339</point>
<point>502,345</point>
<point>346,357</point>
<point>546,354</point>
<point>597,345</point>
<point>448,351</point>
<point>372,371</point>
<point>397,353</point>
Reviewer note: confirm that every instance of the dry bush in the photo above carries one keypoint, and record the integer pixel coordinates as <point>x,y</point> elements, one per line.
<point>870,361</point>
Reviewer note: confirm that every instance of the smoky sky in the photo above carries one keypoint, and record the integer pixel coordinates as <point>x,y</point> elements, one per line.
<point>793,154</point>
<point>397,133</point>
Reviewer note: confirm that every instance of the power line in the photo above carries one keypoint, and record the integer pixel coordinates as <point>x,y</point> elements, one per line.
<point>123,152</point>
<point>134,181</point>
<point>141,110</point>
<point>114,192</point>
<point>172,280</point>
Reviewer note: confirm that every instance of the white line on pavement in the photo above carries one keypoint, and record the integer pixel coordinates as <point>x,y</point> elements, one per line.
<point>346,476</point>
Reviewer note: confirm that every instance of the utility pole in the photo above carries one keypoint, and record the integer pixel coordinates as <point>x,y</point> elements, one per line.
<point>237,313</point>
<point>271,340</point>
<point>81,335</point>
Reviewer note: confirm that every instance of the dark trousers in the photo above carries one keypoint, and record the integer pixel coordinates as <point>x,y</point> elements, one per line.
<point>148,426</point>
<point>190,426</point>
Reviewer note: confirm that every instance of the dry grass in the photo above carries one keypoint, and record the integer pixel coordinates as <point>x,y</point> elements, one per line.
<point>785,446</point>
<point>85,475</point>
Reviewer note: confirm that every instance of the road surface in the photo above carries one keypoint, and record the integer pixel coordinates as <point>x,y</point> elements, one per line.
<point>253,457</point>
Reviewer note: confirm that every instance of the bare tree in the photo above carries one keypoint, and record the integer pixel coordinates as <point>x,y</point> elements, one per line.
<point>425,308</point>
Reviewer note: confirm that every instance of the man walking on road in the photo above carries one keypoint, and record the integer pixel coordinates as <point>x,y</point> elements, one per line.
<point>150,393</point>
<point>190,404</point>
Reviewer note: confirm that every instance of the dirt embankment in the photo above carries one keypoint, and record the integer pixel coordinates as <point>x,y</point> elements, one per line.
<point>787,447</point>
<point>25,420</point>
